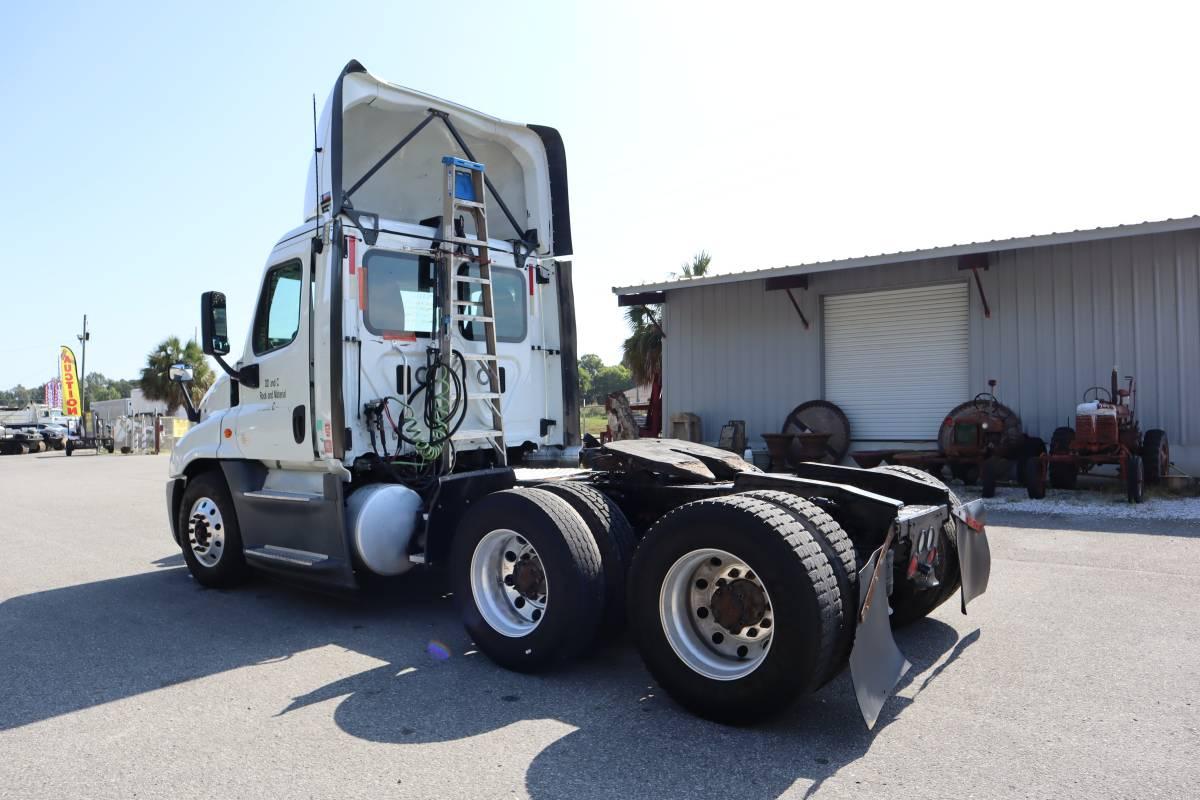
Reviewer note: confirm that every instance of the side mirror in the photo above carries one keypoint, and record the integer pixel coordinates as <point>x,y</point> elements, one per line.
<point>214,330</point>
<point>181,373</point>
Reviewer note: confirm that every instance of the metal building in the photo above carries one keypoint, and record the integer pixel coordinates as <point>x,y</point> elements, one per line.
<point>897,340</point>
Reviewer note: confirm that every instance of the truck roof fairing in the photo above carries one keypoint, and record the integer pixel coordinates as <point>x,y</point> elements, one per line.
<point>365,117</point>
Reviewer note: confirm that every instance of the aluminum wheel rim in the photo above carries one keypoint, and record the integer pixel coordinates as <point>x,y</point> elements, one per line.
<point>685,607</point>
<point>508,583</point>
<point>206,532</point>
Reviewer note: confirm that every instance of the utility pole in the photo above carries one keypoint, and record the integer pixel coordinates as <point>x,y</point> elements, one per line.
<point>83,340</point>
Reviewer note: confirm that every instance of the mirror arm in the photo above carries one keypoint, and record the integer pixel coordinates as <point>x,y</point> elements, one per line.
<point>247,375</point>
<point>193,413</point>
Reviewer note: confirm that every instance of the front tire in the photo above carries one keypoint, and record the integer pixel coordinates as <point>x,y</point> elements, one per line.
<point>733,606</point>
<point>528,579</point>
<point>1135,479</point>
<point>212,540</point>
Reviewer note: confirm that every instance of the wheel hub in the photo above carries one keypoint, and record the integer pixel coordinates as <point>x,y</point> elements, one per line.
<point>738,605</point>
<point>206,532</point>
<point>529,579</point>
<point>716,614</point>
<point>508,583</point>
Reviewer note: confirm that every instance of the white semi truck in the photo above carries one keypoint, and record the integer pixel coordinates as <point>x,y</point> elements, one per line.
<point>413,345</point>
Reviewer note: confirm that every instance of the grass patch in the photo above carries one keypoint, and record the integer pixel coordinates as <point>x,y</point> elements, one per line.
<point>593,420</point>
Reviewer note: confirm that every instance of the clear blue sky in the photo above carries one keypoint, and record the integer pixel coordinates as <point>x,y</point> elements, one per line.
<point>155,152</point>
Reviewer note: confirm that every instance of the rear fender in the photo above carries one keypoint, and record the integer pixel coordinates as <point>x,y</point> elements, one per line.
<point>455,494</point>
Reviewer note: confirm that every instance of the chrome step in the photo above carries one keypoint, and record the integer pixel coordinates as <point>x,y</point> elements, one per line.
<point>286,497</point>
<point>286,555</point>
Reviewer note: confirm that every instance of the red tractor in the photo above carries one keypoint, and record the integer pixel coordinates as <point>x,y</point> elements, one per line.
<point>1106,432</point>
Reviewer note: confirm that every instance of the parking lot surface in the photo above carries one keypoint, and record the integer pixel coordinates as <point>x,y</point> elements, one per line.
<point>1075,676</point>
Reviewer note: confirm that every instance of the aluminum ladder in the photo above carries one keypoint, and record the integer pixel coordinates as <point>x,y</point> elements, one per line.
<point>464,197</point>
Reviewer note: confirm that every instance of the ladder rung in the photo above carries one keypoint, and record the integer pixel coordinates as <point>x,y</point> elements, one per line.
<point>484,396</point>
<point>467,302</point>
<point>478,356</point>
<point>472,279</point>
<point>473,318</point>
<point>460,203</point>
<point>477,434</point>
<point>468,242</point>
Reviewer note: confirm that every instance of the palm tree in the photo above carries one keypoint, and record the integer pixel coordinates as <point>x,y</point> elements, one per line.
<point>697,268</point>
<point>642,351</point>
<point>156,383</point>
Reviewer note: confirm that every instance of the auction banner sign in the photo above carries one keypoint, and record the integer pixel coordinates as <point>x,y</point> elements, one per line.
<point>70,383</point>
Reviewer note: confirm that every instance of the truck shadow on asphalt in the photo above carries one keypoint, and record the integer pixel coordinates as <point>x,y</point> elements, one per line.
<point>73,648</point>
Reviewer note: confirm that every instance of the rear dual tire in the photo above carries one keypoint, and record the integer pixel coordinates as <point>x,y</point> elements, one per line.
<point>528,579</point>
<point>910,602</point>
<point>735,607</point>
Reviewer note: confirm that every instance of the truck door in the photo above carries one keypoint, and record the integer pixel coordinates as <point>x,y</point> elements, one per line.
<point>273,421</point>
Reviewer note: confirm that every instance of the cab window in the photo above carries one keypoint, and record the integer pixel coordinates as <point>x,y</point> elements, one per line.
<point>508,297</point>
<point>277,319</point>
<point>399,293</point>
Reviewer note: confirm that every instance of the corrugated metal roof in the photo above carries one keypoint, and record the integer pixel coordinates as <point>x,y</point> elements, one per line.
<point>1018,243</point>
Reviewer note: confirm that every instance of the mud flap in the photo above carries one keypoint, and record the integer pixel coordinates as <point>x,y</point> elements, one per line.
<point>974,555</point>
<point>876,663</point>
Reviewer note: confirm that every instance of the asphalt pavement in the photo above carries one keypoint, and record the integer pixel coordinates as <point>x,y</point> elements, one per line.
<point>1075,676</point>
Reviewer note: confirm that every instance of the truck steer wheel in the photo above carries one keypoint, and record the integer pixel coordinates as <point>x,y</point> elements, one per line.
<point>528,579</point>
<point>209,533</point>
<point>734,607</point>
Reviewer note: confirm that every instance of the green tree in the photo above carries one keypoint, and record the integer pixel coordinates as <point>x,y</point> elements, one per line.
<point>101,388</point>
<point>611,379</point>
<point>589,365</point>
<point>156,383</point>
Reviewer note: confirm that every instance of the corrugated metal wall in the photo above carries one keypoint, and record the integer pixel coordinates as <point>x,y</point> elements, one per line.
<point>1062,316</point>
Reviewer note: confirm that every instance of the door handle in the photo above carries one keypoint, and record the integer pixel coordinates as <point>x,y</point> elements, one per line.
<point>298,424</point>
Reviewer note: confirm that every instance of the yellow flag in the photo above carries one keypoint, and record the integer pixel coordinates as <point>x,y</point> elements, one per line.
<point>70,383</point>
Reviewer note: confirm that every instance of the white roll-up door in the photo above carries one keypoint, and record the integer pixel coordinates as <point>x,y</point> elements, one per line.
<point>896,361</point>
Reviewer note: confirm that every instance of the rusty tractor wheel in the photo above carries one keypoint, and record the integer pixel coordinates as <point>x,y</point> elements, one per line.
<point>1035,478</point>
<point>1135,479</point>
<point>1033,450</point>
<point>1063,474</point>
<point>819,416</point>
<point>1156,455</point>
